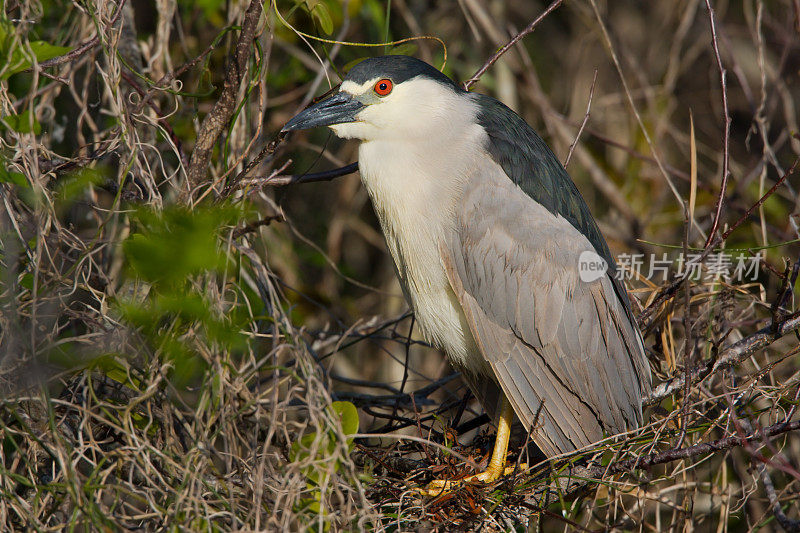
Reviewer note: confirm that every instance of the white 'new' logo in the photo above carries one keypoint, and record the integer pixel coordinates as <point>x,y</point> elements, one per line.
<point>591,266</point>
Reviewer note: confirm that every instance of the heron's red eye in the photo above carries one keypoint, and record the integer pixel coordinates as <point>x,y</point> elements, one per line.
<point>383,87</point>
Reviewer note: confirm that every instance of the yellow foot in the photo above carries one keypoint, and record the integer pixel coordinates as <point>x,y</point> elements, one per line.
<point>437,487</point>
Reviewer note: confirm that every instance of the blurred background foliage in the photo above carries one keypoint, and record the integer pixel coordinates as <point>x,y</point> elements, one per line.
<point>186,354</point>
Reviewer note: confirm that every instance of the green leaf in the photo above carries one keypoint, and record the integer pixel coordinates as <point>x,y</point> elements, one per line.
<point>15,178</point>
<point>405,49</point>
<point>20,61</point>
<point>188,367</point>
<point>45,51</point>
<point>326,443</point>
<point>350,64</point>
<point>5,28</point>
<point>348,415</point>
<point>111,365</point>
<point>323,16</point>
<point>26,281</point>
<point>176,243</point>
<point>25,122</point>
<point>189,306</point>
<point>76,183</point>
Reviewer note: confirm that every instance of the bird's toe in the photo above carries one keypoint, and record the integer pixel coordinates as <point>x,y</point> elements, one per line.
<point>438,487</point>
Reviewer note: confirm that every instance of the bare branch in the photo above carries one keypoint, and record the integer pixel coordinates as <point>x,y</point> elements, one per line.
<point>699,449</point>
<point>786,523</point>
<point>735,354</point>
<point>82,48</point>
<point>528,29</point>
<point>667,292</point>
<point>727,119</point>
<point>577,477</point>
<point>219,116</point>
<point>585,120</point>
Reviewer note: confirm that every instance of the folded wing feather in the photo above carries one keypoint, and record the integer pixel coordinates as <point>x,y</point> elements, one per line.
<point>552,340</point>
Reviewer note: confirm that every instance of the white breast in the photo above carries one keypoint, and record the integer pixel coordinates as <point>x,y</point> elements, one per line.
<point>415,204</point>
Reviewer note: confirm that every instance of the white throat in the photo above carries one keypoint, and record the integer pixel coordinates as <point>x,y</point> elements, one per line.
<point>415,186</point>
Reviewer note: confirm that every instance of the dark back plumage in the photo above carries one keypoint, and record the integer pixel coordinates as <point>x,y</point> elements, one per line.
<point>530,163</point>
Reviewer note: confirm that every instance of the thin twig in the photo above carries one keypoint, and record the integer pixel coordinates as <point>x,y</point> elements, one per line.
<point>585,120</point>
<point>786,523</point>
<point>161,120</point>
<point>576,477</point>
<point>699,449</point>
<point>687,333</point>
<point>528,29</point>
<point>219,116</point>
<point>761,200</point>
<point>632,104</point>
<point>414,438</point>
<point>82,48</point>
<point>167,78</point>
<point>667,292</point>
<point>254,226</point>
<point>736,353</point>
<point>727,119</point>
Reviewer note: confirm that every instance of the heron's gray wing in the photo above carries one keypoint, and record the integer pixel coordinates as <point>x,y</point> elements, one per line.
<point>529,163</point>
<point>552,340</point>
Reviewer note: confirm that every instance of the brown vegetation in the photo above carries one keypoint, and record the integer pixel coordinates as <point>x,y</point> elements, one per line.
<point>184,328</point>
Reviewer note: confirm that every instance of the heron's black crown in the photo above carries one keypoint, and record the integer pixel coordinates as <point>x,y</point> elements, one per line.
<point>398,69</point>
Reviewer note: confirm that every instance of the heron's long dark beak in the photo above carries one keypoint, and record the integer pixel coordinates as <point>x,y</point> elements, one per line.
<point>336,109</point>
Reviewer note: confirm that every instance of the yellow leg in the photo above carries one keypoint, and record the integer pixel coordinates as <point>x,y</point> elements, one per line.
<point>497,464</point>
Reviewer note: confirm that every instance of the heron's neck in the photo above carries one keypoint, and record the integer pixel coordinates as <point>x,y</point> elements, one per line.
<point>416,203</point>
<point>419,178</point>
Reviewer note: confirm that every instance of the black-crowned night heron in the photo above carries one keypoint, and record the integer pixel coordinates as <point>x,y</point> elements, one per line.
<point>497,254</point>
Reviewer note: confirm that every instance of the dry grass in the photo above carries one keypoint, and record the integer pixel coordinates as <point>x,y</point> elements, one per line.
<point>175,327</point>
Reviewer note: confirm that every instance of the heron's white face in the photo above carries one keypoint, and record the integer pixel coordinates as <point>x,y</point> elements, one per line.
<point>416,109</point>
